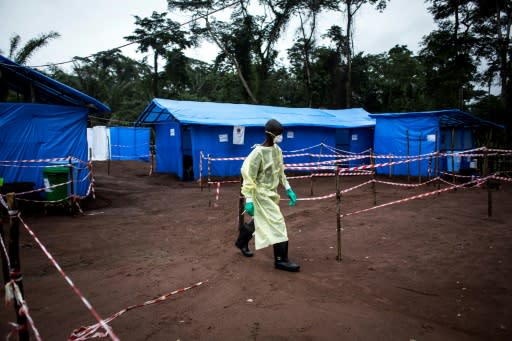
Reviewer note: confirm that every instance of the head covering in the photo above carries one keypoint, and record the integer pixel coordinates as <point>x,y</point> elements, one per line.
<point>274,127</point>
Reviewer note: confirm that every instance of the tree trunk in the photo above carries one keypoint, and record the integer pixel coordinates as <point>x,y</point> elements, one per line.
<point>503,43</point>
<point>155,76</point>
<point>348,82</point>
<point>234,61</point>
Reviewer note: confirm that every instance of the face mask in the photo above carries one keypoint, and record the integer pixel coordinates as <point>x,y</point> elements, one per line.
<point>278,139</point>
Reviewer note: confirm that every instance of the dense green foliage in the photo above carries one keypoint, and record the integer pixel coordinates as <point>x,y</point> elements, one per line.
<point>466,62</point>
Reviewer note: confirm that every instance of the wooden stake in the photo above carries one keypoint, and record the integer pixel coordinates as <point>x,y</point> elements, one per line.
<point>338,213</point>
<point>453,157</point>
<point>489,192</point>
<point>372,162</point>
<point>437,170</point>
<point>419,161</point>
<point>14,256</point>
<point>209,181</point>
<point>109,156</point>
<point>429,176</point>
<point>390,166</point>
<point>312,179</point>
<point>201,169</point>
<point>408,160</point>
<point>152,156</point>
<point>241,205</point>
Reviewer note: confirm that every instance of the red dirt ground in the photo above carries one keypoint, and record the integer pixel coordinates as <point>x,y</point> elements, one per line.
<point>431,269</point>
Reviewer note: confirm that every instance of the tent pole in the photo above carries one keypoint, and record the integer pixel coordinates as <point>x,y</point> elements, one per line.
<point>338,213</point>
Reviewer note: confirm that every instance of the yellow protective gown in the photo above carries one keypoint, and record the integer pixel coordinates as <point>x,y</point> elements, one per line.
<point>262,171</point>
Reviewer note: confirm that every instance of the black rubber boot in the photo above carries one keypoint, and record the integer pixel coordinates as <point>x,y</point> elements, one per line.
<point>281,258</point>
<point>245,235</point>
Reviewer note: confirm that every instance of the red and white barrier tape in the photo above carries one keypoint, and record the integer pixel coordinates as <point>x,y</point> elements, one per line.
<point>357,186</point>
<point>419,196</point>
<point>303,149</point>
<point>85,333</point>
<point>108,329</point>
<point>120,156</point>
<point>341,151</point>
<point>13,290</point>
<point>327,162</point>
<point>129,146</point>
<point>38,160</point>
<point>8,260</point>
<point>385,164</point>
<point>332,195</point>
<point>501,178</point>
<point>500,150</point>
<point>217,194</point>
<point>405,185</point>
<point>457,175</point>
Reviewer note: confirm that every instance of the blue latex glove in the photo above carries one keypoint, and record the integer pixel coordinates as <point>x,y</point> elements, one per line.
<point>249,208</point>
<point>292,196</point>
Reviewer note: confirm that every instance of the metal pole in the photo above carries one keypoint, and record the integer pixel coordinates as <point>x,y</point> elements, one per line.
<point>14,256</point>
<point>338,213</point>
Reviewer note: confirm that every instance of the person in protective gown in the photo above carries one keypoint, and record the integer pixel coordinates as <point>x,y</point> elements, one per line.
<point>262,172</point>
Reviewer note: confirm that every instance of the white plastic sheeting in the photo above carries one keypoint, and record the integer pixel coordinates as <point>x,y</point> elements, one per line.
<point>98,140</point>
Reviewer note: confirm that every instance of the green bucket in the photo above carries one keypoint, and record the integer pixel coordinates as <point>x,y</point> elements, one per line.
<point>55,176</point>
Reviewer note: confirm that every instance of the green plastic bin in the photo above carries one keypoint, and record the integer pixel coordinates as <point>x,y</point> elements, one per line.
<point>54,176</point>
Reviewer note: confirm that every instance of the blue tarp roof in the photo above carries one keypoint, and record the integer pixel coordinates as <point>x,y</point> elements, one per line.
<point>46,90</point>
<point>228,114</point>
<point>447,118</point>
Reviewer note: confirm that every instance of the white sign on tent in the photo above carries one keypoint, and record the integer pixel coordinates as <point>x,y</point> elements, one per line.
<point>238,134</point>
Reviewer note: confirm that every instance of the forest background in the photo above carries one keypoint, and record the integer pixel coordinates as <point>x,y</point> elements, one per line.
<point>464,63</point>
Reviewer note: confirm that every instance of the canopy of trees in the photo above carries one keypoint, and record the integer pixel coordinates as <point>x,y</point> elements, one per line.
<point>466,62</point>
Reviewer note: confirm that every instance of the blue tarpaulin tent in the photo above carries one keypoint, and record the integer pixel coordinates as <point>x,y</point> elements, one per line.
<point>52,125</point>
<point>415,133</point>
<point>129,143</point>
<point>185,128</point>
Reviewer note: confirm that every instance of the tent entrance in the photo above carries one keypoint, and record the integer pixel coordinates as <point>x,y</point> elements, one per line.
<point>343,139</point>
<point>188,161</point>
